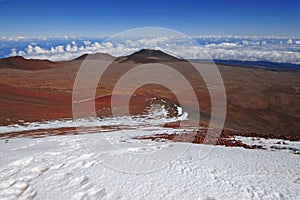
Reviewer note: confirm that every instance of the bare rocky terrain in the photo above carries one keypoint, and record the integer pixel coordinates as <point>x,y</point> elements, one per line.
<point>259,101</point>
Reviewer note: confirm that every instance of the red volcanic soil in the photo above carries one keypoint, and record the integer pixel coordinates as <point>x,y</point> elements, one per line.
<point>40,133</point>
<point>260,101</point>
<point>32,105</point>
<point>21,104</point>
<point>225,139</point>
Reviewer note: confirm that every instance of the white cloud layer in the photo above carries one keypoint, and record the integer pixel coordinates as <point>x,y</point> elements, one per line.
<point>283,50</point>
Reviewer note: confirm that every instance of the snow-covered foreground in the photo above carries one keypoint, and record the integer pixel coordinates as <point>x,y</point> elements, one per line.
<point>111,165</point>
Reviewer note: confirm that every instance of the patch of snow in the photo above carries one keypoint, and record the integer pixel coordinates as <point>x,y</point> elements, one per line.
<point>271,144</point>
<point>60,165</point>
<point>157,116</point>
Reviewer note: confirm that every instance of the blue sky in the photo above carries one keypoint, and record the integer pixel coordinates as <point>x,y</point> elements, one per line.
<point>93,18</point>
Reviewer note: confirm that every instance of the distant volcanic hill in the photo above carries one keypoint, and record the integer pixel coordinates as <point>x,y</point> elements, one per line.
<point>96,56</point>
<point>149,56</point>
<point>261,101</point>
<point>18,62</point>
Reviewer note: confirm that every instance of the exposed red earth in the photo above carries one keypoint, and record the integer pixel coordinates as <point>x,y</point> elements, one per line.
<point>260,101</point>
<point>225,139</point>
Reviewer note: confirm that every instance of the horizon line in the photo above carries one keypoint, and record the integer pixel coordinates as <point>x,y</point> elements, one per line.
<point>105,36</point>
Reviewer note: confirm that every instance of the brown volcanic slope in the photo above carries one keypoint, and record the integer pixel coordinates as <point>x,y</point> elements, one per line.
<point>149,56</point>
<point>18,62</point>
<point>32,105</point>
<point>261,101</point>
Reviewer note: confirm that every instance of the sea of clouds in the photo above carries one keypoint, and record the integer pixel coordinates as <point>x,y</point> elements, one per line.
<point>241,48</point>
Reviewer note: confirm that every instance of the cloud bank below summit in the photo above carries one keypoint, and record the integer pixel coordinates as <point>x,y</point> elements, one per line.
<point>247,48</point>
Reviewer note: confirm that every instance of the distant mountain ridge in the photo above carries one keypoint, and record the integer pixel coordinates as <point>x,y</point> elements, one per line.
<point>18,62</point>
<point>149,56</point>
<point>260,64</point>
<point>142,56</point>
<point>96,56</point>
